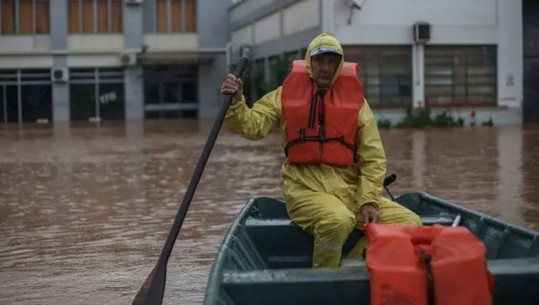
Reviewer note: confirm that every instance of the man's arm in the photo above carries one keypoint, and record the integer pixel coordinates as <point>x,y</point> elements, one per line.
<point>371,159</point>
<point>256,122</point>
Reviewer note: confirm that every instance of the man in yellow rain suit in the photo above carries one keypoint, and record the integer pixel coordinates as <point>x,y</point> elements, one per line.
<point>328,189</point>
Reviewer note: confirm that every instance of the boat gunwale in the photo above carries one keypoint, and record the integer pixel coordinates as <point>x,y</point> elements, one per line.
<point>481,215</point>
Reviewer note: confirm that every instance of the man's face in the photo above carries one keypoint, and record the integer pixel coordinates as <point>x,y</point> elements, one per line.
<point>323,68</point>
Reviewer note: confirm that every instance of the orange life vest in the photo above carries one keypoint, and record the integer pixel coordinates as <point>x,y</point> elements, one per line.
<point>417,265</point>
<point>321,127</point>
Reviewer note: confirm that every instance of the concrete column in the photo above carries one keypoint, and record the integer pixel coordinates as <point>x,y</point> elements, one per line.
<point>418,77</point>
<point>133,76</point>
<point>210,75</point>
<point>327,16</point>
<point>134,93</point>
<point>510,50</point>
<point>60,91</point>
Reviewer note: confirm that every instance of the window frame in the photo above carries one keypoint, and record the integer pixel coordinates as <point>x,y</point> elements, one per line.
<point>80,28</point>
<point>351,55</point>
<point>184,26</point>
<point>17,18</point>
<point>490,49</point>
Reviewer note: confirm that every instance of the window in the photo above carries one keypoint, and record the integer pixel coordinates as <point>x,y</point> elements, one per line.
<point>170,92</point>
<point>175,16</point>
<point>460,75</point>
<point>97,93</point>
<point>386,73</point>
<point>25,95</point>
<point>95,16</point>
<point>25,17</point>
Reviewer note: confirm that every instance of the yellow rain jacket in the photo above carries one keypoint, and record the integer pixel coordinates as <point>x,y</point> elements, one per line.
<point>325,200</point>
<point>355,186</point>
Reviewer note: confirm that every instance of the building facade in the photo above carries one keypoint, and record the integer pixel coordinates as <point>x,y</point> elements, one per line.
<point>79,60</point>
<point>467,58</point>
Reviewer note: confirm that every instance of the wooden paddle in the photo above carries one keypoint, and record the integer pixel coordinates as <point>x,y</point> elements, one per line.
<point>153,289</point>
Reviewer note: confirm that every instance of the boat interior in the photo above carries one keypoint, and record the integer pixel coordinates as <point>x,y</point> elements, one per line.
<point>266,259</point>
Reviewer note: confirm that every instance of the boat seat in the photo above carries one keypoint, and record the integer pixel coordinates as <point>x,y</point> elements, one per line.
<point>436,219</point>
<point>255,222</point>
<point>285,245</point>
<point>352,262</point>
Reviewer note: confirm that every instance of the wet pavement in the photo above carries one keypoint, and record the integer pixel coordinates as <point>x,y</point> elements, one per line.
<point>85,209</point>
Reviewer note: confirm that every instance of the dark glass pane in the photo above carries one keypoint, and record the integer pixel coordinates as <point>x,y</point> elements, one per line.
<point>189,93</point>
<point>12,104</point>
<point>36,75</point>
<point>172,92</point>
<point>36,102</point>
<point>8,76</point>
<point>2,105</point>
<point>151,93</point>
<point>82,74</point>
<point>111,101</point>
<point>82,102</point>
<point>111,74</point>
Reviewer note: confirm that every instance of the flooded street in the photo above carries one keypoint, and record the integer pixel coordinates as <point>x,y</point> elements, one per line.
<point>85,209</point>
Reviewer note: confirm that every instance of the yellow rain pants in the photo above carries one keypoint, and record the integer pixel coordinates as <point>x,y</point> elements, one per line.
<point>331,221</point>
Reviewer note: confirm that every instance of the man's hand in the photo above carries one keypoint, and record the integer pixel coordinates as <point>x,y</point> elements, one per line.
<point>370,214</point>
<point>232,86</point>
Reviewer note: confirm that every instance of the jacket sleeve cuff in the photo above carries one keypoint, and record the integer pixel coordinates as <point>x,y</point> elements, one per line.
<point>370,202</point>
<point>235,108</point>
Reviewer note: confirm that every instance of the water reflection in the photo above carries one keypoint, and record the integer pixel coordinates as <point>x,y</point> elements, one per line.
<point>85,209</point>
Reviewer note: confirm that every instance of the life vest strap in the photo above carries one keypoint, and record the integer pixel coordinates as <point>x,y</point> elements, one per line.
<point>427,260</point>
<point>302,139</point>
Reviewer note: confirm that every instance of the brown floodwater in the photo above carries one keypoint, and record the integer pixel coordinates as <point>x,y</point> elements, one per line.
<point>85,209</point>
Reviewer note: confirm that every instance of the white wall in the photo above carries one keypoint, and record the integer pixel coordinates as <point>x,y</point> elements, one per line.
<point>25,62</point>
<point>465,22</point>
<point>268,28</point>
<point>24,43</point>
<point>390,21</point>
<point>295,18</point>
<point>95,43</point>
<point>301,16</point>
<point>171,42</point>
<point>242,11</point>
<point>243,36</point>
<point>510,54</point>
<point>36,50</point>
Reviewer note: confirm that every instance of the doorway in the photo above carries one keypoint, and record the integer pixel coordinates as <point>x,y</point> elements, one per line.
<point>170,92</point>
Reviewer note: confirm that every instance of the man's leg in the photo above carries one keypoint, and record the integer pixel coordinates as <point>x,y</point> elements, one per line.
<point>328,219</point>
<point>390,213</point>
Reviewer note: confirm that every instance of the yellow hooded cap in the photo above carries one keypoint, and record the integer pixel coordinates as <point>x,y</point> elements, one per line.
<point>324,43</point>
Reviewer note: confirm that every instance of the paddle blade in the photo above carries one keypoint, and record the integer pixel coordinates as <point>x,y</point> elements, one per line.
<point>153,289</point>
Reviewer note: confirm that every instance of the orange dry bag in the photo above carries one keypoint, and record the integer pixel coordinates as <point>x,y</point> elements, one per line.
<point>436,265</point>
